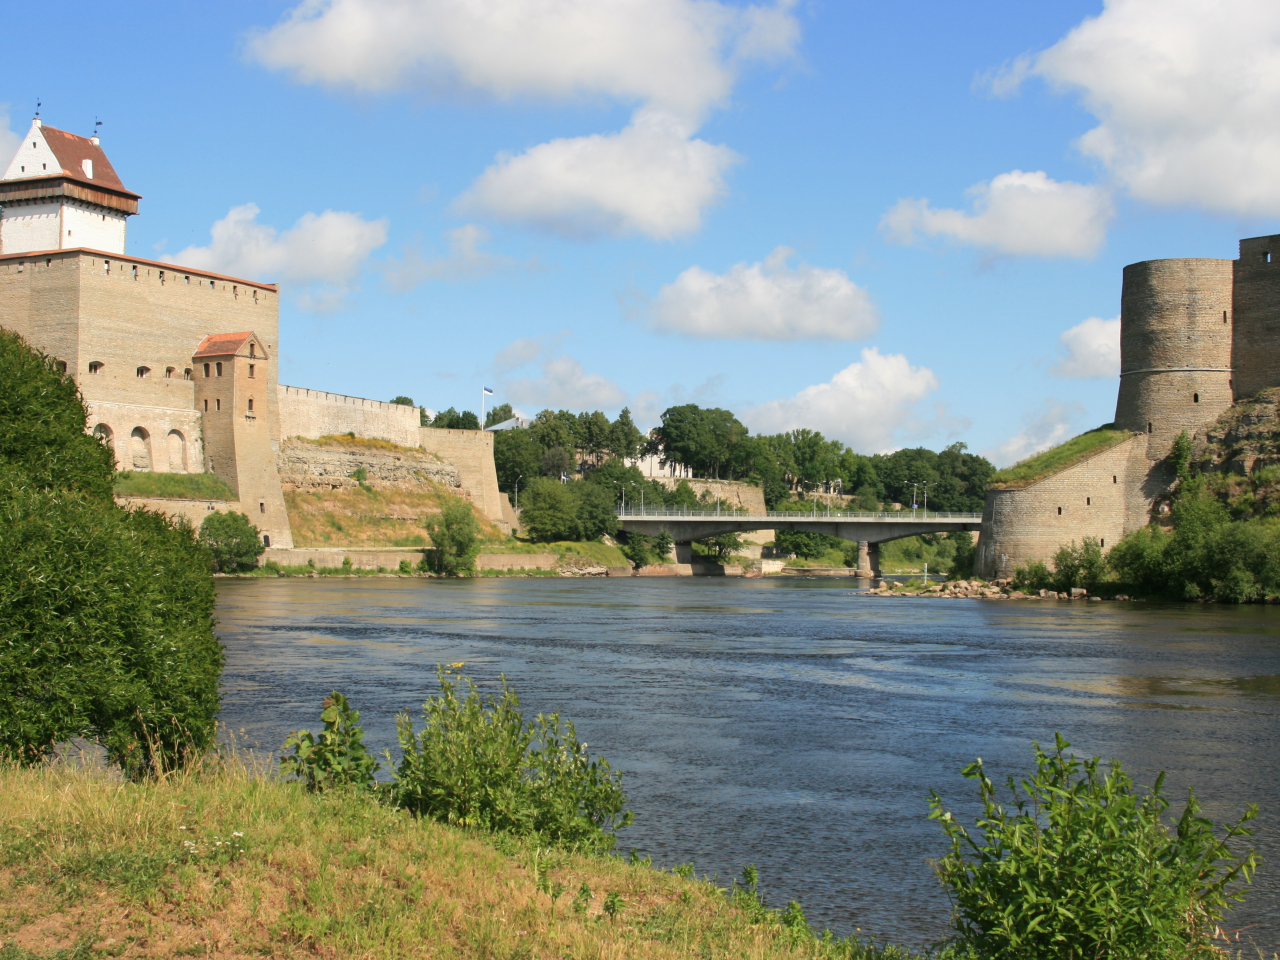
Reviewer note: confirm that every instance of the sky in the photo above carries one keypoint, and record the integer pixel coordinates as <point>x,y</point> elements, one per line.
<point>898,224</point>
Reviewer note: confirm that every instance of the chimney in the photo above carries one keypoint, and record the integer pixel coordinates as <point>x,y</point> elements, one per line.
<point>94,140</point>
<point>36,122</point>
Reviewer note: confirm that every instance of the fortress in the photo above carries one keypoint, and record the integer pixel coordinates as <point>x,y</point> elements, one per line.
<point>1197,335</point>
<point>177,366</point>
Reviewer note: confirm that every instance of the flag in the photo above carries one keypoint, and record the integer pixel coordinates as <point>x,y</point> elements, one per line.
<point>487,390</point>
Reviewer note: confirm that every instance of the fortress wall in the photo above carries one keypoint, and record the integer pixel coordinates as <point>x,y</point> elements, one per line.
<point>173,441</point>
<point>1256,339</point>
<point>471,451</point>
<point>1175,348</point>
<point>314,413</point>
<point>193,510</point>
<point>1105,497</point>
<point>742,496</point>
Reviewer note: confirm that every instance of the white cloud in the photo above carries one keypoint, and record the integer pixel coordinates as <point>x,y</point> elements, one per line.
<point>1090,349</point>
<point>327,249</point>
<point>866,405</point>
<point>464,261</point>
<point>766,301</point>
<point>1018,213</point>
<point>652,178</point>
<point>1186,93</point>
<point>1052,424</point>
<point>9,139</point>
<point>517,354</point>
<point>565,384</point>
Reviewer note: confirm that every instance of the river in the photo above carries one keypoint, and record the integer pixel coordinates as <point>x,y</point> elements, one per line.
<point>788,722</point>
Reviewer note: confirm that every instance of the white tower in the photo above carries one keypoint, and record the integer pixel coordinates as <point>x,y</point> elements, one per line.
<point>59,192</point>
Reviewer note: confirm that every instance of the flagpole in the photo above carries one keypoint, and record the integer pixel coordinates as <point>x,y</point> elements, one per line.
<point>481,404</point>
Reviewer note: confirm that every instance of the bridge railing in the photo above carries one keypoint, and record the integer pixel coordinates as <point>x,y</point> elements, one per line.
<point>647,512</point>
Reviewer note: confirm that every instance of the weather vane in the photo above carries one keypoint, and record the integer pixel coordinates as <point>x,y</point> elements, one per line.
<point>38,105</point>
<point>96,124</point>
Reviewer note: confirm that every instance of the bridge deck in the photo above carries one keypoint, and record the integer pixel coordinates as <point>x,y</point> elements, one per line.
<point>684,525</point>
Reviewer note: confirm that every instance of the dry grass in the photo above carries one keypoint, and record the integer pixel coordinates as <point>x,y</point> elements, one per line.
<point>232,863</point>
<point>368,517</point>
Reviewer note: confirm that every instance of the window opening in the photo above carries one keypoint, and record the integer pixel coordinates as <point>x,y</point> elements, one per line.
<point>1088,501</point>
<point>217,404</point>
<point>1149,430</point>
<point>1224,316</point>
<point>266,540</point>
<point>1266,256</point>
<point>206,369</point>
<point>252,349</point>
<point>262,508</point>
<point>1059,511</point>
<point>1195,398</point>
<point>186,280</point>
<point>144,371</point>
<point>95,367</point>
<point>251,404</point>
<point>48,261</point>
<point>1114,480</point>
<point>186,374</point>
<point>1102,543</point>
<point>206,406</point>
<point>62,366</point>
<point>161,275</point>
<point>218,367</point>
<point>135,271</point>
<point>168,372</point>
<point>251,371</point>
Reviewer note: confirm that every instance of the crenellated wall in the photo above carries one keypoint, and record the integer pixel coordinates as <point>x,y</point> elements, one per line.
<point>316,413</point>
<point>471,451</point>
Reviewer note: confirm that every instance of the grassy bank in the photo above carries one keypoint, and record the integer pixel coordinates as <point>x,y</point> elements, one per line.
<point>172,486</point>
<point>1058,458</point>
<point>232,864</point>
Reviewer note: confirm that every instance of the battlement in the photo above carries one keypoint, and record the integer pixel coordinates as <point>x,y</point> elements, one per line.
<point>317,413</point>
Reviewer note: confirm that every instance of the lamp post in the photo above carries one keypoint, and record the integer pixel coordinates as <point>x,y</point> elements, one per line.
<point>518,479</point>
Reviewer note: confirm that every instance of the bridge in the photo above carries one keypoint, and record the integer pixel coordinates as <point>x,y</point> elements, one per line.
<point>868,530</point>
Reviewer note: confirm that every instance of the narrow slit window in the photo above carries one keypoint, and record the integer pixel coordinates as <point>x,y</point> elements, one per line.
<point>262,508</point>
<point>206,406</point>
<point>266,540</point>
<point>251,404</point>
<point>1224,316</point>
<point>1059,511</point>
<point>253,347</point>
<point>1115,479</point>
<point>1195,398</point>
<point>1088,501</point>
<point>135,271</point>
<point>1149,430</point>
<point>218,367</point>
<point>1102,543</point>
<point>206,370</point>
<point>251,371</point>
<point>217,403</point>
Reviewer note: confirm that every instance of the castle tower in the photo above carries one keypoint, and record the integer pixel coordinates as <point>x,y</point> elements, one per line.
<point>60,192</point>
<point>1175,348</point>
<point>1256,340</point>
<point>233,385</point>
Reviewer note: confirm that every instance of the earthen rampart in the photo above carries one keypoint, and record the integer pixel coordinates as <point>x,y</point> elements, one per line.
<point>315,413</point>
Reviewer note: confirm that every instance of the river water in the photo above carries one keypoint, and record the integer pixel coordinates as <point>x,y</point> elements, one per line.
<point>790,723</point>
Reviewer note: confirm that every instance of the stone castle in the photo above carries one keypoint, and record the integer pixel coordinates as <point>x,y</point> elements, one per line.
<point>177,365</point>
<point>1197,335</point>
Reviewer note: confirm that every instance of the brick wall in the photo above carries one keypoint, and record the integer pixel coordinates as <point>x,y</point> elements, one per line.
<point>1256,337</point>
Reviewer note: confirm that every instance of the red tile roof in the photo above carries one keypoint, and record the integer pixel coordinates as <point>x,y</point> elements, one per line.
<point>72,151</point>
<point>226,344</point>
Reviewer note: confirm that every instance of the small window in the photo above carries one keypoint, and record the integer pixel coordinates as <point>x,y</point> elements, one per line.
<point>168,372</point>
<point>135,271</point>
<point>186,374</point>
<point>162,276</point>
<point>61,365</point>
<point>144,371</point>
<point>251,404</point>
<point>1224,316</point>
<point>206,406</point>
<point>1149,430</point>
<point>217,404</point>
<point>1195,398</point>
<point>107,264</point>
<point>218,367</point>
<point>1088,501</point>
<point>252,350</point>
<point>262,508</point>
<point>206,370</point>
<point>44,166</point>
<point>48,262</point>
<point>251,371</point>
<point>1059,511</point>
<point>68,233</point>
<point>1115,480</point>
<point>266,540</point>
<point>96,367</point>
<point>1102,543</point>
<point>1266,256</point>
<point>186,280</point>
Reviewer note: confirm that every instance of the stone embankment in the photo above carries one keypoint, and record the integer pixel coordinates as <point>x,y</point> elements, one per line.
<point>310,467</point>
<point>980,590</point>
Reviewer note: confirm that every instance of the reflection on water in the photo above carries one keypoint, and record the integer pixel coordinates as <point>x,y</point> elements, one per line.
<point>790,723</point>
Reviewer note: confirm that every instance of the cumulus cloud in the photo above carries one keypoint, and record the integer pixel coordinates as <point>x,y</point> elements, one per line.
<point>1090,349</point>
<point>1017,213</point>
<point>866,405</point>
<point>1054,422</point>
<point>464,261</point>
<point>1186,94</point>
<point>674,59</point>
<point>564,383</point>
<point>329,249</point>
<point>766,301</point>
<point>652,178</point>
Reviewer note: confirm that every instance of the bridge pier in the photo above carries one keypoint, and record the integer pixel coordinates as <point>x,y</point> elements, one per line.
<point>683,552</point>
<point>868,560</point>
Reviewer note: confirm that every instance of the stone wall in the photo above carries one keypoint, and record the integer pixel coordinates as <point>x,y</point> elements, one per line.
<point>740,496</point>
<point>471,451</point>
<point>315,413</point>
<point>193,510</point>
<point>1175,348</point>
<point>1106,497</point>
<point>1256,336</point>
<point>307,466</point>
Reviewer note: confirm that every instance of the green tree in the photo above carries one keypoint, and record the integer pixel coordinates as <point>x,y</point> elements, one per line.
<point>1180,455</point>
<point>499,414</point>
<point>965,555</point>
<point>451,419</point>
<point>722,546</point>
<point>595,511</point>
<point>558,462</point>
<point>548,511</point>
<point>515,455</point>
<point>1081,566</point>
<point>404,401</point>
<point>625,438</point>
<point>550,430</point>
<point>454,535</point>
<point>233,542</point>
<point>702,439</point>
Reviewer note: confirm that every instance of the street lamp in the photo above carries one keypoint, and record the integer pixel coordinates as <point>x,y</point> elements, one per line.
<point>518,479</point>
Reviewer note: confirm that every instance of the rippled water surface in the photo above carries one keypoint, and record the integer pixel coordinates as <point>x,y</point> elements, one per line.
<point>787,722</point>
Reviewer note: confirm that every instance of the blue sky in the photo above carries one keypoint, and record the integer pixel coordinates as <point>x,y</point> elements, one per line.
<point>900,224</point>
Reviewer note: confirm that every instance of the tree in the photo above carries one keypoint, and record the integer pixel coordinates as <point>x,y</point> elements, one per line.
<point>722,546</point>
<point>625,438</point>
<point>550,430</point>
<point>515,455</point>
<point>106,615</point>
<point>596,517</point>
<point>499,414</point>
<point>548,511</point>
<point>453,532</point>
<point>233,542</point>
<point>557,462</point>
<point>451,419</point>
<point>404,401</point>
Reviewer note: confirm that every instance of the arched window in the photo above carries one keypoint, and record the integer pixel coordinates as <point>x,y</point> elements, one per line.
<point>251,404</point>
<point>1195,398</point>
<point>266,540</point>
<point>1059,511</point>
<point>177,445</point>
<point>140,449</point>
<point>1088,501</point>
<point>206,369</point>
<point>107,437</point>
<point>218,367</point>
<point>144,371</point>
<point>168,372</point>
<point>95,367</point>
<point>251,349</point>
<point>186,374</point>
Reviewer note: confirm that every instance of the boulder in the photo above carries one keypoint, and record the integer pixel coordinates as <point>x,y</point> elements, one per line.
<point>1079,593</point>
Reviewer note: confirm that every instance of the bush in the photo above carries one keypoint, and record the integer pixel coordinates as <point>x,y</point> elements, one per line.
<point>106,615</point>
<point>233,542</point>
<point>1078,864</point>
<point>805,545</point>
<point>1032,578</point>
<point>480,764</point>
<point>453,532</point>
<point>642,550</point>
<point>337,758</point>
<point>1081,566</point>
<point>722,546</point>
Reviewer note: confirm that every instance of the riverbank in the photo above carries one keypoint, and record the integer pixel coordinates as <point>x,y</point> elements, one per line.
<point>234,863</point>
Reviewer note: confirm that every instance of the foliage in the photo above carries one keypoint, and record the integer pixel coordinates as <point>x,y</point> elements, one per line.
<point>404,401</point>
<point>1032,578</point>
<point>722,546</point>
<point>1180,455</point>
<point>172,486</point>
<point>1079,864</point>
<point>233,542</point>
<point>965,555</point>
<point>499,414</point>
<point>453,532</point>
<point>578,510</point>
<point>1081,566</point>
<point>953,480</point>
<point>477,763</point>
<point>642,550</point>
<point>804,544</point>
<point>451,419</point>
<point>703,439</point>
<point>337,757</point>
<point>1057,459</point>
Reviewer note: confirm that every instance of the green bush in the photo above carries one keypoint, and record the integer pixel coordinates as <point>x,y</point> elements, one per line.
<point>453,532</point>
<point>806,545</point>
<point>1081,566</point>
<point>233,542</point>
<point>580,510</point>
<point>337,758</point>
<point>722,546</point>
<point>642,550</point>
<point>106,615</point>
<point>1078,864</point>
<point>1032,578</point>
<point>479,764</point>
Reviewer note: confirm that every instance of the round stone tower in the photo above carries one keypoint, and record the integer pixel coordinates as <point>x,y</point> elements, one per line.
<point>1175,348</point>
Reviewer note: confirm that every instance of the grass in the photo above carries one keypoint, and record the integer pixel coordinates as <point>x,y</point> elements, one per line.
<point>365,443</point>
<point>172,486</point>
<point>233,863</point>
<point>1058,458</point>
<point>367,517</point>
<point>592,549</point>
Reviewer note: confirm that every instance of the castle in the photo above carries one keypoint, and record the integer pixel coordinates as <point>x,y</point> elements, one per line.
<point>177,365</point>
<point>1196,335</point>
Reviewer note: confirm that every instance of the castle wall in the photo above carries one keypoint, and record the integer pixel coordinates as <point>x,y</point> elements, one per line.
<point>30,225</point>
<point>1106,497</point>
<point>93,226</point>
<point>1256,337</point>
<point>471,451</point>
<point>1175,348</point>
<point>160,439</point>
<point>740,496</point>
<point>314,413</point>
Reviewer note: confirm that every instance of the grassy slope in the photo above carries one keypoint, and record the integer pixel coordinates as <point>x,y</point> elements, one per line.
<point>366,517</point>
<point>137,870</point>
<point>1058,458</point>
<point>172,486</point>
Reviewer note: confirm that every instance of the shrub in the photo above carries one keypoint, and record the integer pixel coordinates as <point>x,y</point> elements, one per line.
<point>1081,566</point>
<point>233,542</point>
<point>337,758</point>
<point>479,764</point>
<point>1078,864</point>
<point>1032,578</point>
<point>806,545</point>
<point>453,535</point>
<point>722,546</point>
<point>642,550</point>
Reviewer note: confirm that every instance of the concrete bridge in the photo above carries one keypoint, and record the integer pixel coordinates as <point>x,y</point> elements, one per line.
<point>868,530</point>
